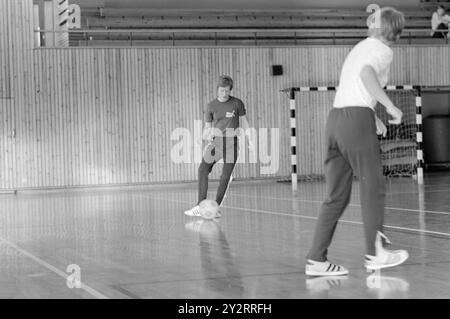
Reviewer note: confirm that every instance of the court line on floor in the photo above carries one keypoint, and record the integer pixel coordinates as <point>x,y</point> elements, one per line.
<point>353,205</point>
<point>299,272</point>
<point>389,186</point>
<point>418,192</point>
<point>55,270</point>
<point>300,216</point>
<point>432,185</point>
<point>341,220</point>
<point>356,182</point>
<point>125,292</point>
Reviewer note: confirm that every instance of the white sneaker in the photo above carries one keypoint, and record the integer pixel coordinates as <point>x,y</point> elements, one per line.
<point>194,212</point>
<point>384,258</point>
<point>317,268</point>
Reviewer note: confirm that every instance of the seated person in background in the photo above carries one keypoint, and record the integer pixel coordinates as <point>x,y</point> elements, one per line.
<point>440,21</point>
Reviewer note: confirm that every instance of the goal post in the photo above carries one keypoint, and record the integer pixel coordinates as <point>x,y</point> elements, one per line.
<point>402,148</point>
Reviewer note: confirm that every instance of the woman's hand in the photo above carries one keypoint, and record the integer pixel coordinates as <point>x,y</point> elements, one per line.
<point>381,128</point>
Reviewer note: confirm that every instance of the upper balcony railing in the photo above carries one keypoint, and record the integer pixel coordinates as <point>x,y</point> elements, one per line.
<point>219,37</point>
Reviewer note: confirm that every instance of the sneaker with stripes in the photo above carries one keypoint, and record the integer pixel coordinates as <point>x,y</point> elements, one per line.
<point>384,258</point>
<point>317,268</point>
<point>194,211</point>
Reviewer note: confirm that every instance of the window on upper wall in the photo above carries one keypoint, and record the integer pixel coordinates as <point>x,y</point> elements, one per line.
<point>53,19</point>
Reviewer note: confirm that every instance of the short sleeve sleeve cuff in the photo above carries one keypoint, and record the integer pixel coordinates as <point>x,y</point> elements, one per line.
<point>241,109</point>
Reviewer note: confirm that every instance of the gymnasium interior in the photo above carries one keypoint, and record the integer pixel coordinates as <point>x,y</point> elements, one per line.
<point>97,95</point>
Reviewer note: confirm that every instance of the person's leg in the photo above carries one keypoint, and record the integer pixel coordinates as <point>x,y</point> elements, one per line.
<point>224,181</point>
<point>440,34</point>
<point>360,146</point>
<point>230,155</point>
<point>204,170</point>
<point>339,176</point>
<point>366,163</point>
<point>203,173</point>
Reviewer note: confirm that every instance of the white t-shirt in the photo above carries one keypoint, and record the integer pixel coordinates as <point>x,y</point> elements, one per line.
<point>351,90</point>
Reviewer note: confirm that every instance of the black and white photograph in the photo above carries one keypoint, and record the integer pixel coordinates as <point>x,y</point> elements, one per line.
<point>224,155</point>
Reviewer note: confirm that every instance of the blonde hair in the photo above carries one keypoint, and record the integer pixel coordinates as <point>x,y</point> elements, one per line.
<point>224,81</point>
<point>390,24</point>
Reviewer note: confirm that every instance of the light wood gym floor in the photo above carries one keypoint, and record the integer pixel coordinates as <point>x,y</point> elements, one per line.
<point>135,242</point>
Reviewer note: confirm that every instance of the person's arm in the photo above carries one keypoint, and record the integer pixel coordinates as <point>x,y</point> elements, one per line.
<point>207,131</point>
<point>446,18</point>
<point>381,128</point>
<point>242,113</point>
<point>370,81</point>
<point>244,122</point>
<point>434,22</point>
<point>246,127</point>
<point>208,117</point>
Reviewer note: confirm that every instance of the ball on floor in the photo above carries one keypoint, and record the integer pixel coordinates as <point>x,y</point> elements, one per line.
<point>209,208</point>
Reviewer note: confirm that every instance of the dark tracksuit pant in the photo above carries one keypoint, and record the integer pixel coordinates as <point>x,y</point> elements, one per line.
<point>352,148</point>
<point>225,148</point>
<point>441,34</point>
